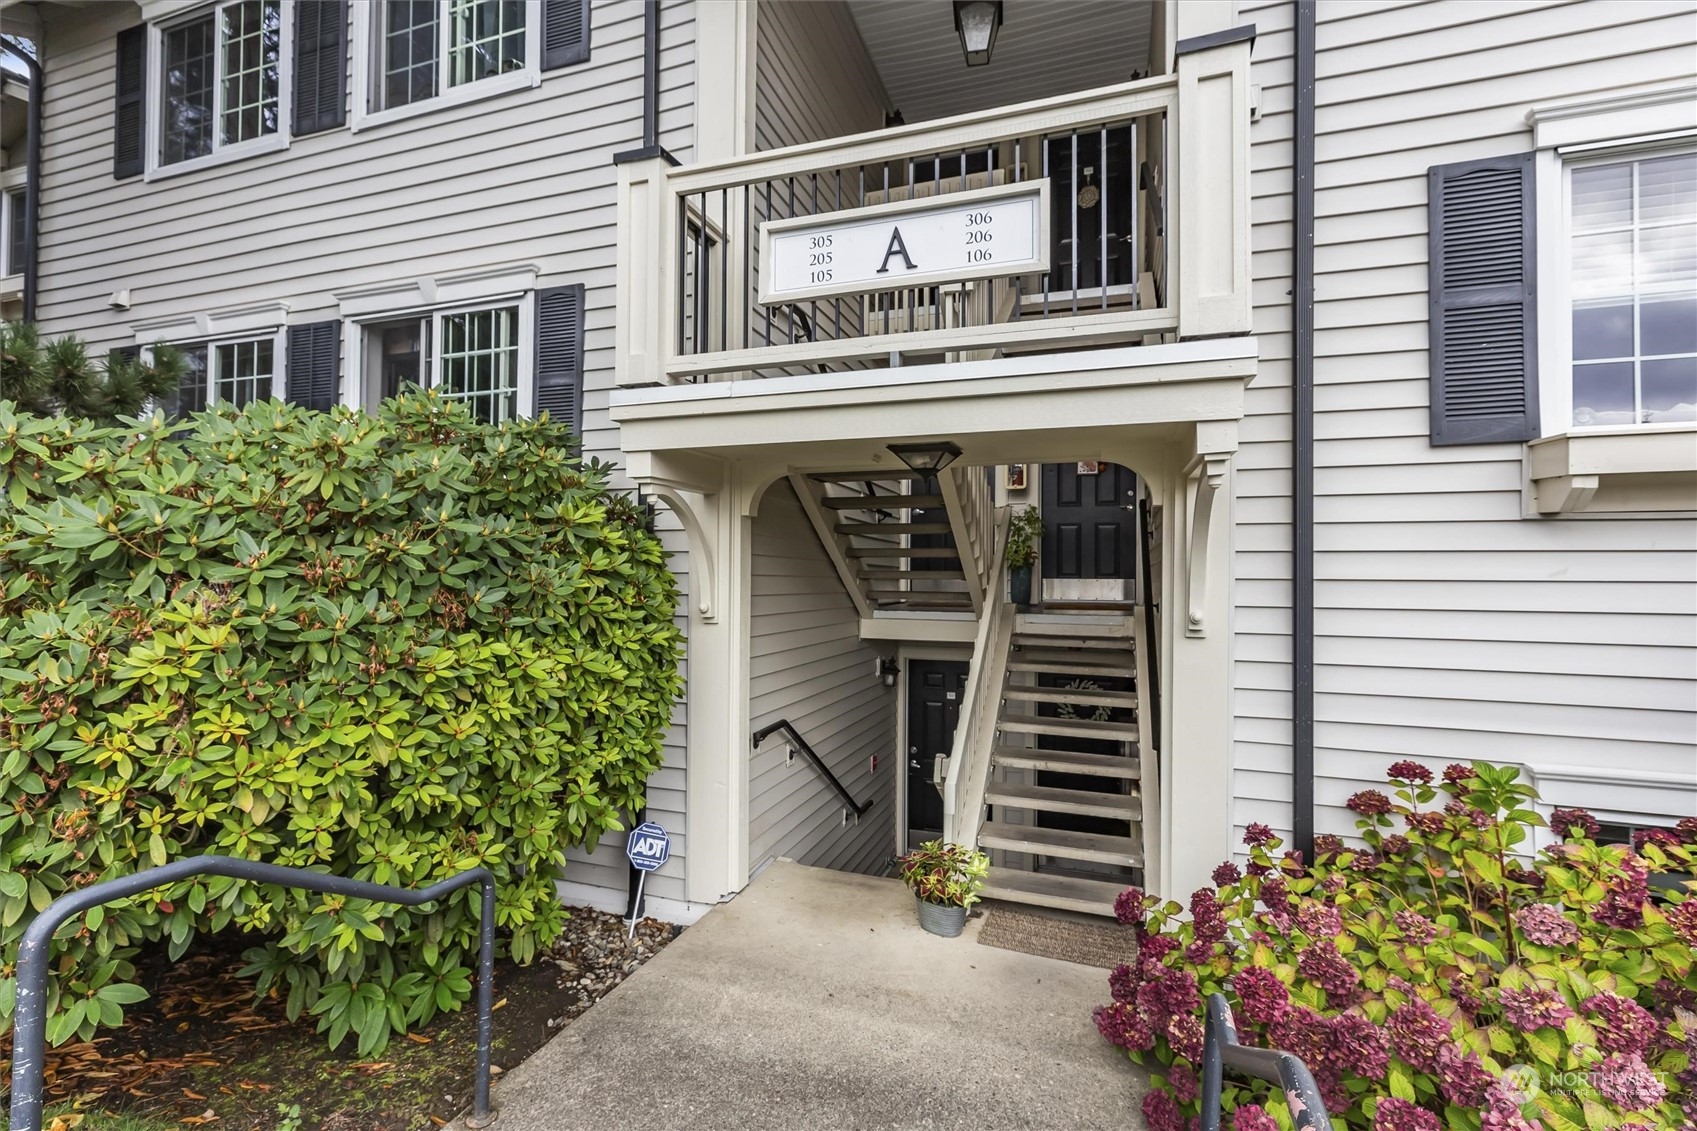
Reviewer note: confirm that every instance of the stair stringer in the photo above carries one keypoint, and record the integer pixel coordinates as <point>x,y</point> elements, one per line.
<point>975,734</point>
<point>972,521</point>
<point>810,492</point>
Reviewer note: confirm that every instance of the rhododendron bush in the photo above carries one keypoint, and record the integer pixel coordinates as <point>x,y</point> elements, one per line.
<point>1441,976</point>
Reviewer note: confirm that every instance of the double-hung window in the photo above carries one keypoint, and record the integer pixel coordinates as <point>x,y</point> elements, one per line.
<point>235,373</point>
<point>1632,280</point>
<point>220,80</point>
<point>472,356</point>
<point>426,51</point>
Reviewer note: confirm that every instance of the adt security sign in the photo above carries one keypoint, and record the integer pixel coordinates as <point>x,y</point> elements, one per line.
<point>648,847</point>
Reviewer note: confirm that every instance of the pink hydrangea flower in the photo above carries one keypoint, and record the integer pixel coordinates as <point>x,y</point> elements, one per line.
<point>1393,1114</point>
<point>1370,803</point>
<point>1253,1117</point>
<point>1257,835</point>
<point>1408,770</point>
<point>1323,965</point>
<point>1415,927</point>
<point>1534,1007</point>
<point>1627,1082</point>
<point>1622,1024</point>
<point>1416,1031</point>
<point>1264,997</point>
<point>1565,822</point>
<point>1545,925</point>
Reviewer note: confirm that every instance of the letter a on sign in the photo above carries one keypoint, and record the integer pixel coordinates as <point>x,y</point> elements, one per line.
<point>897,247</point>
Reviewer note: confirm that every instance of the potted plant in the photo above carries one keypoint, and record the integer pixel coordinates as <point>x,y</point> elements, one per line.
<point>1024,529</point>
<point>945,880</point>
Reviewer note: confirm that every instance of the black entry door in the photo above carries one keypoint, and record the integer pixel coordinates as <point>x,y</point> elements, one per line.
<point>935,689</point>
<point>1089,520</point>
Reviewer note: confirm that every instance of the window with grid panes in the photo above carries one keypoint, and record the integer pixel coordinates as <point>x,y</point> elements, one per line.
<point>1632,243</point>
<point>234,373</point>
<point>477,361</point>
<point>426,46</point>
<point>221,79</point>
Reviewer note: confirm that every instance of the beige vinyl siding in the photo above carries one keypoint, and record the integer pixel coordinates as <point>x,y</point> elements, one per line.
<point>1448,627</point>
<point>808,665</point>
<point>815,79</point>
<point>519,178</point>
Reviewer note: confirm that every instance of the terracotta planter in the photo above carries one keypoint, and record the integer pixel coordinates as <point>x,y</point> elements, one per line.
<point>941,920</point>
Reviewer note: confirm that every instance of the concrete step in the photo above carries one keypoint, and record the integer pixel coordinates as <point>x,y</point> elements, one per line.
<point>1025,693</point>
<point>1066,893</point>
<point>1065,843</point>
<point>1118,806</point>
<point>1067,762</point>
<point>881,502</point>
<point>879,529</point>
<point>1068,728</point>
<point>902,552</point>
<point>1025,662</point>
<point>876,475</point>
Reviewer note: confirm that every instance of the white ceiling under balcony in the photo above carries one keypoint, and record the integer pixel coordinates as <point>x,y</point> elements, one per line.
<point>1045,48</point>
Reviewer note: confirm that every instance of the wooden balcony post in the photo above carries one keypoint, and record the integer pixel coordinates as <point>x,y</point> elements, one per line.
<point>1210,201</point>
<point>646,275</point>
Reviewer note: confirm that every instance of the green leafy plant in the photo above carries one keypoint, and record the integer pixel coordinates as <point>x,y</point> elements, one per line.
<point>1428,976</point>
<point>948,874</point>
<point>58,378</point>
<point>1025,528</point>
<point>390,648</point>
<point>288,1117</point>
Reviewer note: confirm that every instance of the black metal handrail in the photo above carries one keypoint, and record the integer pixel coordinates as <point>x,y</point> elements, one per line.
<point>1221,1050</point>
<point>766,732</point>
<point>30,1021</point>
<point>1152,652</point>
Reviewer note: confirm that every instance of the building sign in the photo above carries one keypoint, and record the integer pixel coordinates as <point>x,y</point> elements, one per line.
<point>979,234</point>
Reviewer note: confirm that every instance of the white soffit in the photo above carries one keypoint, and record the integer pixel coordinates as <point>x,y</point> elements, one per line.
<point>1045,48</point>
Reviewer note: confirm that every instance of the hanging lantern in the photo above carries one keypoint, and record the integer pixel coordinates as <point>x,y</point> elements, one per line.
<point>978,21</point>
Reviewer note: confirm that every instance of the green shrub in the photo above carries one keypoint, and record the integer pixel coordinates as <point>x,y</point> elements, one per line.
<point>58,378</point>
<point>388,648</point>
<point>1431,979</point>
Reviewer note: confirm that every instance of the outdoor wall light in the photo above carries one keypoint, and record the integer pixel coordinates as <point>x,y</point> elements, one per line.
<point>978,21</point>
<point>888,671</point>
<point>932,456</point>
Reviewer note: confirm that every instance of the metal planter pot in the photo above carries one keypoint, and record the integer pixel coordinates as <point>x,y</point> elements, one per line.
<point>1019,585</point>
<point>941,920</point>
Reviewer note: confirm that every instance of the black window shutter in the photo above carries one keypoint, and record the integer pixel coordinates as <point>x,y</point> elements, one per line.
<point>565,33</point>
<point>1484,315</point>
<point>129,106</point>
<point>559,355</point>
<point>321,65</point>
<point>314,373</point>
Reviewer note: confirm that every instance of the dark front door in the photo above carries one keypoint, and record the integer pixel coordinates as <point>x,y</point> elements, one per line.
<point>1089,520</point>
<point>934,691</point>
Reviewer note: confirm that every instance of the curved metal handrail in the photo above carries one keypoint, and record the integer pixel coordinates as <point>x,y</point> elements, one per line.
<point>30,1021</point>
<point>767,731</point>
<point>1221,1050</point>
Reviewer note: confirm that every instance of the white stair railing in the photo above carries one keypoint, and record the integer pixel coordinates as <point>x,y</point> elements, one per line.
<point>975,735</point>
<point>972,516</point>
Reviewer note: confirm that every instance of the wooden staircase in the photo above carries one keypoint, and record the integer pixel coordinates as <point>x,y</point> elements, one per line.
<point>1071,682</point>
<point>893,542</point>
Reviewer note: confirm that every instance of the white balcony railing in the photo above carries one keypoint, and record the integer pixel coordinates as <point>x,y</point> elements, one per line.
<point>1146,231</point>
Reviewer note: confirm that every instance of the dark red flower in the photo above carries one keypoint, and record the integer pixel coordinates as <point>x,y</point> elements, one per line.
<point>1571,823</point>
<point>1393,1114</point>
<point>1662,838</point>
<point>1395,845</point>
<point>1327,845</point>
<point>1455,773</point>
<point>1370,803</point>
<point>1257,835</point>
<point>1408,770</point>
<point>1265,999</point>
<point>1624,896</point>
<point>1129,907</point>
<point>1226,873</point>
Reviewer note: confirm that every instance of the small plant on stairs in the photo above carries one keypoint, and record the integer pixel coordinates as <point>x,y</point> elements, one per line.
<point>945,880</point>
<point>1024,529</point>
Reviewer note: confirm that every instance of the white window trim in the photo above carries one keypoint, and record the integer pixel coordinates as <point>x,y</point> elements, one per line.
<point>365,72</point>
<point>279,354</point>
<point>354,326</point>
<point>1614,796</point>
<point>154,94</point>
<point>11,282</point>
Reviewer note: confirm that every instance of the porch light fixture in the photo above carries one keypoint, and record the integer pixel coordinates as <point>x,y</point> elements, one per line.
<point>933,456</point>
<point>888,671</point>
<point>978,21</point>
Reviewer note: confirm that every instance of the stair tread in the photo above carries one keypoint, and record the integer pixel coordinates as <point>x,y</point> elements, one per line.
<point>903,551</point>
<point>1068,728</point>
<point>1065,667</point>
<point>1099,847</point>
<point>1068,762</point>
<point>1082,644</point>
<point>877,475</point>
<point>881,502</point>
<point>1097,629</point>
<point>884,573</point>
<point>1078,696</point>
<point>1066,893</point>
<point>870,528</point>
<point>1126,806</point>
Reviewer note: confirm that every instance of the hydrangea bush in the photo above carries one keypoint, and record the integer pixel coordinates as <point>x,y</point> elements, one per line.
<point>1439,976</point>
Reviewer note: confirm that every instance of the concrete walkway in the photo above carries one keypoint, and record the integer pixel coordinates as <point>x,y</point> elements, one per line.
<point>814,1001</point>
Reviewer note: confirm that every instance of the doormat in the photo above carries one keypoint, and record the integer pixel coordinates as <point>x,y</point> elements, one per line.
<point>1099,942</point>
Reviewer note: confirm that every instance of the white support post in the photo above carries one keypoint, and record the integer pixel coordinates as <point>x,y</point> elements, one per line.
<point>646,275</point>
<point>1210,194</point>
